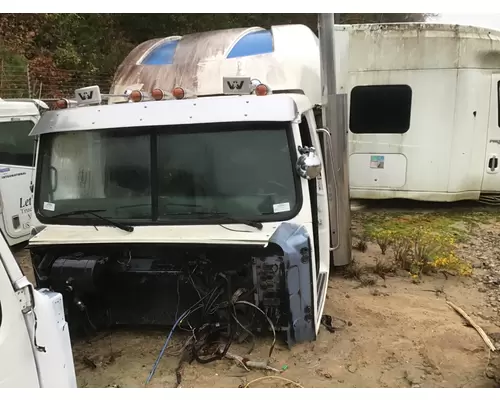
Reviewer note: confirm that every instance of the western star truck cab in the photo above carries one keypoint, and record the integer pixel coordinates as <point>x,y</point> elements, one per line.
<point>216,210</point>
<point>144,195</point>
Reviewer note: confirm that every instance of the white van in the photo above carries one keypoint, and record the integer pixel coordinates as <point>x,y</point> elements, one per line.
<point>17,119</point>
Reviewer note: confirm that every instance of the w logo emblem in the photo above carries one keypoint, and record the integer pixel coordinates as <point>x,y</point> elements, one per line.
<point>235,85</point>
<point>86,95</point>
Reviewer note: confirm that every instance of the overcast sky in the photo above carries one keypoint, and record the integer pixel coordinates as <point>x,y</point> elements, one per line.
<point>491,21</point>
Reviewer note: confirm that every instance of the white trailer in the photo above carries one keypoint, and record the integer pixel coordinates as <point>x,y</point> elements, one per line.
<point>17,149</point>
<point>423,111</point>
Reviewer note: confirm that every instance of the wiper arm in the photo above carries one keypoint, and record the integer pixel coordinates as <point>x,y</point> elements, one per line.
<point>118,225</point>
<point>253,224</point>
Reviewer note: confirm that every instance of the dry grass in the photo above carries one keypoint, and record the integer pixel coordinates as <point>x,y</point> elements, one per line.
<point>355,270</point>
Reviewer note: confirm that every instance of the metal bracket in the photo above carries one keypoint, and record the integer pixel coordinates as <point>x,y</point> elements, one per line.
<point>24,294</point>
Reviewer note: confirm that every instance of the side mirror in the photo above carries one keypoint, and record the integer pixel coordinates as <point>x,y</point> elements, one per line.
<point>308,165</point>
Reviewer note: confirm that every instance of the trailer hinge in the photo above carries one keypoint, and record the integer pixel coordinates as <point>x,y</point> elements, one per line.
<point>26,296</point>
<point>24,293</point>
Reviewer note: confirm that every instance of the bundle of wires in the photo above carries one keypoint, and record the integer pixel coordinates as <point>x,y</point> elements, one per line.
<point>216,317</point>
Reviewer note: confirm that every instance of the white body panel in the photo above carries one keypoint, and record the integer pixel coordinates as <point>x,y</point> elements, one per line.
<point>17,366</point>
<point>210,234</point>
<point>23,365</point>
<point>454,111</point>
<point>55,367</point>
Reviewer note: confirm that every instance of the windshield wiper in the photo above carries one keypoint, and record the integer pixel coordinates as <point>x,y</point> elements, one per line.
<point>253,224</point>
<point>118,225</point>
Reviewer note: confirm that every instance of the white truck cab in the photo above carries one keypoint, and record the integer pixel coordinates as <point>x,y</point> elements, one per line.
<point>17,155</point>
<point>158,199</point>
<point>166,207</point>
<point>155,176</point>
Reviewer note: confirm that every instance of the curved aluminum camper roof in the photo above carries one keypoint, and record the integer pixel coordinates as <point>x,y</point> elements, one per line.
<point>409,46</point>
<point>284,57</point>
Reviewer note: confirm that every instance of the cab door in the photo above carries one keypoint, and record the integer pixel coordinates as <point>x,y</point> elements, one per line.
<point>17,360</point>
<point>318,192</point>
<point>16,174</point>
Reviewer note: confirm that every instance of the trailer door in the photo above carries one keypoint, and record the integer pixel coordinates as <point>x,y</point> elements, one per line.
<point>17,361</point>
<point>491,177</point>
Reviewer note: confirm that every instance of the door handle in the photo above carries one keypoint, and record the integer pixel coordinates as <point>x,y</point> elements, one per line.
<point>493,163</point>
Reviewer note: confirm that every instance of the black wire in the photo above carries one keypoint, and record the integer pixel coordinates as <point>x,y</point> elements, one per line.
<point>217,327</point>
<point>217,356</point>
<point>41,349</point>
<point>212,302</point>
<point>233,314</point>
<point>208,325</point>
<point>186,314</point>
<point>268,320</point>
<point>210,308</point>
<point>165,345</point>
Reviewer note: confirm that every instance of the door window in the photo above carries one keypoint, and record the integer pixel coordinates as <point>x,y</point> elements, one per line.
<point>16,146</point>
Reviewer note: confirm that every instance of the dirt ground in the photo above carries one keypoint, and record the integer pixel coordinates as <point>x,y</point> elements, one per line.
<point>400,334</point>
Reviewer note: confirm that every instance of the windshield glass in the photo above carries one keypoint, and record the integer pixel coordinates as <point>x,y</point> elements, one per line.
<point>16,147</point>
<point>170,174</point>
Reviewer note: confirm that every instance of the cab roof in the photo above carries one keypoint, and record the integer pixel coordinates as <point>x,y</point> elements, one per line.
<point>203,110</point>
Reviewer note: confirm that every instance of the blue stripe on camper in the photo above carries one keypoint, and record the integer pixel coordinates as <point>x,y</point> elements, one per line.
<point>260,42</point>
<point>162,55</point>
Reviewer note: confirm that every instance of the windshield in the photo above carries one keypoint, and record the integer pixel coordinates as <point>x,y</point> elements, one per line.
<point>169,174</point>
<point>16,147</point>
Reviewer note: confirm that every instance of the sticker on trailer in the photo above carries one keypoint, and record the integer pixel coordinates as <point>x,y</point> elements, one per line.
<point>281,207</point>
<point>377,162</point>
<point>49,206</point>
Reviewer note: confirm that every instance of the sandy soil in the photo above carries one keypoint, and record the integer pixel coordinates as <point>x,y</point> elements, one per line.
<point>401,335</point>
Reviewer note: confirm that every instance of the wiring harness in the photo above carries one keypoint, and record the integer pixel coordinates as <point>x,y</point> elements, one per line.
<point>212,318</point>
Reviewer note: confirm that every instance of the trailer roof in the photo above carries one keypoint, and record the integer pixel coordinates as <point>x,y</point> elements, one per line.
<point>10,108</point>
<point>204,110</point>
<point>411,46</point>
<point>429,27</point>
